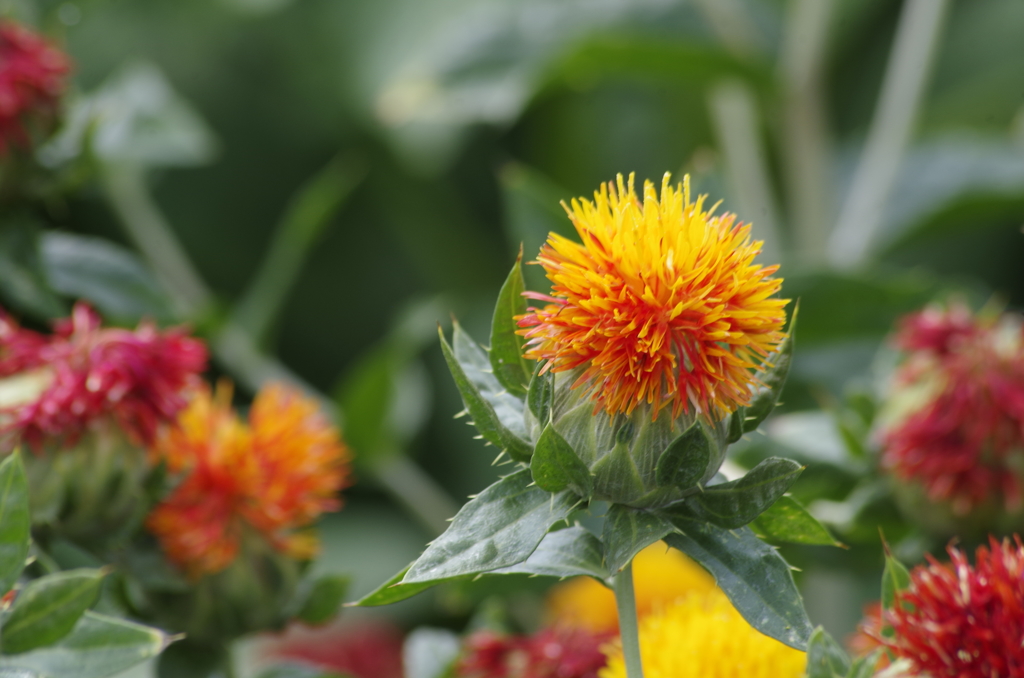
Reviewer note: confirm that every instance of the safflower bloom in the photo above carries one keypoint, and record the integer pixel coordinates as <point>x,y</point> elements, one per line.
<point>554,652</point>
<point>84,374</point>
<point>271,477</point>
<point>32,76</point>
<point>959,621</point>
<point>661,303</point>
<point>661,575</point>
<point>954,420</point>
<point>361,649</point>
<point>703,636</point>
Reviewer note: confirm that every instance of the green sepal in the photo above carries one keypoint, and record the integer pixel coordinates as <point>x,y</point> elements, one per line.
<point>754,577</point>
<point>322,599</point>
<point>485,416</point>
<point>48,608</point>
<point>864,667</point>
<point>540,397</point>
<point>15,521</point>
<point>772,379</point>
<point>506,354</point>
<point>788,521</point>
<point>499,527</point>
<point>737,502</point>
<point>686,460</point>
<point>736,424</point>
<point>98,646</point>
<point>895,578</point>
<point>825,659</point>
<point>555,466</point>
<point>627,531</point>
<point>616,475</point>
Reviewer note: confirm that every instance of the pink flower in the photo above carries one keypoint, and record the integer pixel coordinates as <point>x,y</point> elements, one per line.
<point>137,378</point>
<point>555,652</point>
<point>31,81</point>
<point>959,398</point>
<point>369,649</point>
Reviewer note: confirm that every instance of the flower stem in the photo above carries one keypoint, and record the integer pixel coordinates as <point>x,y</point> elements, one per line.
<point>628,628</point>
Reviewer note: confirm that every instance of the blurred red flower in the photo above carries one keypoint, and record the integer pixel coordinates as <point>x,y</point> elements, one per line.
<point>554,652</point>
<point>363,649</point>
<point>957,423</point>
<point>31,81</point>
<point>83,373</point>
<point>959,621</point>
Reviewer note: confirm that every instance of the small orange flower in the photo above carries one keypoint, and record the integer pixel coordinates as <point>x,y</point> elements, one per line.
<point>274,475</point>
<point>661,303</point>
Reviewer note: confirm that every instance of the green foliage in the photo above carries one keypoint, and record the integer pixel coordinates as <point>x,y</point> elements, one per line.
<point>825,658</point>
<point>735,503</point>
<point>323,598</point>
<point>754,576</point>
<point>686,459</point>
<point>556,466</point>
<point>788,521</point>
<point>499,527</point>
<point>627,531</point>
<point>772,379</point>
<point>493,410</point>
<point>506,352</point>
<point>49,632</point>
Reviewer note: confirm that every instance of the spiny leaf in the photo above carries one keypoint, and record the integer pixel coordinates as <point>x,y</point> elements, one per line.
<point>773,379</point>
<point>683,464</point>
<point>737,502</point>
<point>506,354</point>
<point>788,521</point>
<point>47,609</point>
<point>627,531</point>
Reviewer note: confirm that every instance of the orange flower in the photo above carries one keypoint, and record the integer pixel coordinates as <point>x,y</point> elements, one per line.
<point>662,303</point>
<point>273,476</point>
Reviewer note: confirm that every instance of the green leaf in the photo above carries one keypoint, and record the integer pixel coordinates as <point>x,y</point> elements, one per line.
<point>825,659</point>
<point>323,599</point>
<point>492,413</point>
<point>134,117</point>
<point>788,521</point>
<point>47,609</point>
<point>15,521</point>
<point>737,502</point>
<point>683,464</point>
<point>97,647</point>
<point>392,591</point>
<point>754,576</point>
<point>564,553</point>
<point>506,354</point>
<point>772,379</point>
<point>299,671</point>
<point>627,531</point>
<point>106,274</point>
<point>430,653</point>
<point>864,667</point>
<point>556,466</point>
<point>22,278</point>
<point>499,527</point>
<point>895,578</point>
<point>310,212</point>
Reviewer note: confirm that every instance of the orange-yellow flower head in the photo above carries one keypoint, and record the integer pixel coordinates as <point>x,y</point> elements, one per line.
<point>272,476</point>
<point>661,303</point>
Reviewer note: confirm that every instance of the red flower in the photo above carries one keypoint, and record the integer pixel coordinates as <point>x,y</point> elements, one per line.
<point>961,621</point>
<point>960,402</point>
<point>558,652</point>
<point>87,373</point>
<point>362,650</point>
<point>31,81</point>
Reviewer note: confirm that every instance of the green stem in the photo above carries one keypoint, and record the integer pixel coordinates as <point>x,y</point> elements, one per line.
<point>629,630</point>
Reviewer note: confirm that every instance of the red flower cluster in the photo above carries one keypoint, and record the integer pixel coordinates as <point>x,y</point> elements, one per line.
<point>964,378</point>
<point>557,652</point>
<point>959,621</point>
<point>367,649</point>
<point>138,378</point>
<point>31,81</point>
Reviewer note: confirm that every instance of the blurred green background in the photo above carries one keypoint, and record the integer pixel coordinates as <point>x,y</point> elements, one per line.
<point>416,143</point>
